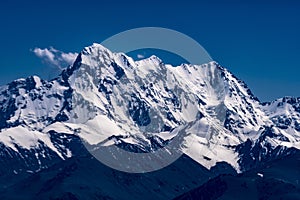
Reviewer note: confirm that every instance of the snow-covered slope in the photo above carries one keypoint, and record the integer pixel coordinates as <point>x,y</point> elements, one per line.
<point>109,99</point>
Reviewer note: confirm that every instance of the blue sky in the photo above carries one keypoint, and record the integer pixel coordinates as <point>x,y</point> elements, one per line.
<point>258,41</point>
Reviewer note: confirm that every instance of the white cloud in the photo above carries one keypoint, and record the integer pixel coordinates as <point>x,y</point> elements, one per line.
<point>45,54</point>
<point>55,57</point>
<point>69,57</point>
<point>140,56</point>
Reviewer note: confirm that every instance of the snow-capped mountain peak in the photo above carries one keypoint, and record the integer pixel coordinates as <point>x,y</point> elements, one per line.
<point>109,99</point>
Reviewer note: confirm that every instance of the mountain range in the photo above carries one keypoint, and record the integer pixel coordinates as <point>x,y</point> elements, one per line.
<point>207,120</point>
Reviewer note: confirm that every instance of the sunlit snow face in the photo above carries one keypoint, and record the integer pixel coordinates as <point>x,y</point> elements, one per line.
<point>140,116</point>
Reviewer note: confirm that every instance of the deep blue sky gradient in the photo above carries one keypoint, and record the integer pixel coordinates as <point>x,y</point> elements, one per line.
<point>258,41</point>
